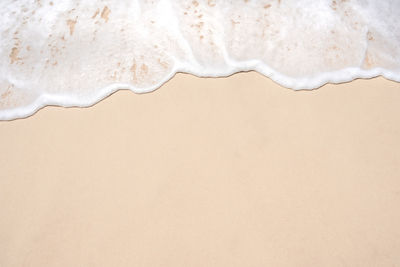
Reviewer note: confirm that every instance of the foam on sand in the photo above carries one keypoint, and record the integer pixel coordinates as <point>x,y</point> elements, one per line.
<point>75,53</point>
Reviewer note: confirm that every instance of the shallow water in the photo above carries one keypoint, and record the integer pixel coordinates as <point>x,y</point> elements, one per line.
<point>75,53</point>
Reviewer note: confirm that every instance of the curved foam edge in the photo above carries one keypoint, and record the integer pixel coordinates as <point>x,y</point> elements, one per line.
<point>309,83</point>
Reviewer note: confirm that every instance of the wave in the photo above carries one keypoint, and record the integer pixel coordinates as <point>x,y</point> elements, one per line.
<point>75,53</point>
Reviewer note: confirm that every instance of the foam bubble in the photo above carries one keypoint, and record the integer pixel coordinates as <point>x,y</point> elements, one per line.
<point>75,53</point>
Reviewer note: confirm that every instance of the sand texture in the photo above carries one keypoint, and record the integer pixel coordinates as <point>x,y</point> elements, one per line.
<point>207,172</point>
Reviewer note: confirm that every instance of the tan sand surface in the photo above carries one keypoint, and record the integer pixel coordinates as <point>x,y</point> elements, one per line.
<point>232,171</point>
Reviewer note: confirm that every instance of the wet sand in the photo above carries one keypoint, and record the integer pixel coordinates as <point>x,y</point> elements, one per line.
<point>231,171</point>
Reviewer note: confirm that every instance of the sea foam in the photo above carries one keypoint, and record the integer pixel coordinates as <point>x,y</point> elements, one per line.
<point>75,53</point>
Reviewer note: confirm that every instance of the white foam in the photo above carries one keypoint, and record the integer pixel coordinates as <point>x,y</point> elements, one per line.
<point>75,53</point>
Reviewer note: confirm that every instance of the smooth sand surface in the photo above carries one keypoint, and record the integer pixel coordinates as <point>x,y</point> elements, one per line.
<point>232,171</point>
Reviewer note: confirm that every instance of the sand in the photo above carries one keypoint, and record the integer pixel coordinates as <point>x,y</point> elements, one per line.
<point>232,171</point>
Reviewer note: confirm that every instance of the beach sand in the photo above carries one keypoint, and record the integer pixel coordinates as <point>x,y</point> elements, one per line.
<point>234,171</point>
